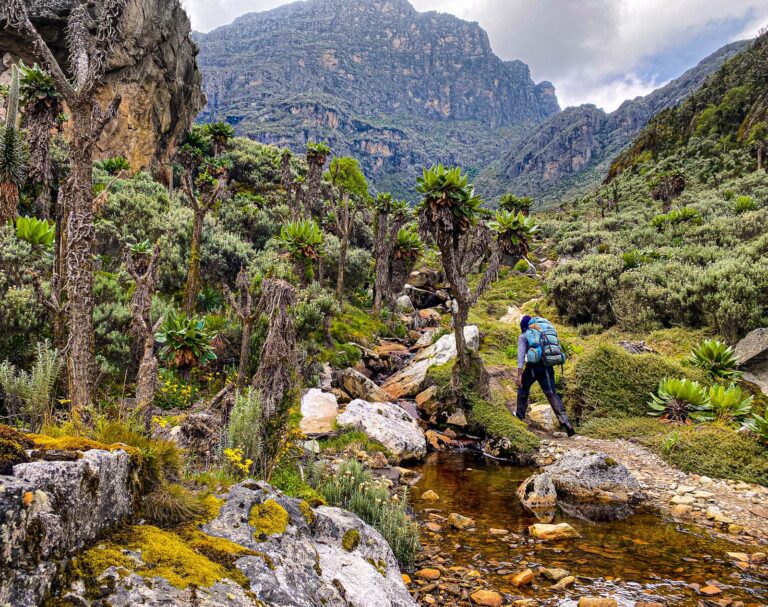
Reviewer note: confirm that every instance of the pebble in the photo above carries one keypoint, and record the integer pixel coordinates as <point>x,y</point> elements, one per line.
<point>566,582</point>
<point>462,523</point>
<point>589,601</point>
<point>521,578</point>
<point>428,574</point>
<point>683,500</point>
<point>430,496</point>
<point>710,590</point>
<point>554,574</point>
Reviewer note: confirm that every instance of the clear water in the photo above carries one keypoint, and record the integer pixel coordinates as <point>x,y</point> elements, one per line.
<point>636,559</point>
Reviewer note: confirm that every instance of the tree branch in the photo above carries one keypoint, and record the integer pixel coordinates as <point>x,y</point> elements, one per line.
<point>103,119</point>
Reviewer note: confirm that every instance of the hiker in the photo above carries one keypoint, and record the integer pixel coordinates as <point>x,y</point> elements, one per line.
<point>538,353</point>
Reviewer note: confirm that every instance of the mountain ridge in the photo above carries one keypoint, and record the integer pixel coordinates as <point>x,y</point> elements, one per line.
<point>378,80</point>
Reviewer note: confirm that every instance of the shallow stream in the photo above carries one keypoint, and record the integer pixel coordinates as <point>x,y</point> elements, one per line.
<point>642,558</point>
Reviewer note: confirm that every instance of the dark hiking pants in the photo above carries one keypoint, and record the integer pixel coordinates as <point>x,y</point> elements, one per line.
<point>545,376</point>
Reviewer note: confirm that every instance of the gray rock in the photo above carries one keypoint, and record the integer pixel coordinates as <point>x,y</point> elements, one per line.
<point>388,424</point>
<point>404,304</point>
<point>48,510</point>
<point>358,385</point>
<point>538,492</point>
<point>593,477</point>
<point>752,353</point>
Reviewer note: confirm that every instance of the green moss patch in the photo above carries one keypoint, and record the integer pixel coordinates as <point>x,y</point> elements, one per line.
<point>610,382</point>
<point>708,449</point>
<point>13,445</point>
<point>498,422</point>
<point>351,540</point>
<point>355,439</point>
<point>269,518</point>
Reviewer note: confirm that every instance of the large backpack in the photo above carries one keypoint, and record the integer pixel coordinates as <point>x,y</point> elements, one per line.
<point>543,343</point>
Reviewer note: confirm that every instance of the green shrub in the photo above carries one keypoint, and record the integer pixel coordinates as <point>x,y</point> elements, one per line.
<point>758,424</point>
<point>716,358</point>
<point>729,404</point>
<point>680,400</point>
<point>582,289</point>
<point>744,204</point>
<point>713,450</point>
<point>245,425</point>
<point>610,382</point>
<point>353,488</point>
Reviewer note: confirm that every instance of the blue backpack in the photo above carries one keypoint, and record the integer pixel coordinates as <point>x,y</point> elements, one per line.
<point>543,343</point>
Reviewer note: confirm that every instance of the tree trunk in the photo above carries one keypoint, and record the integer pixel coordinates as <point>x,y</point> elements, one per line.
<point>342,262</point>
<point>382,261</point>
<point>146,380</point>
<point>245,355</point>
<point>314,180</point>
<point>193,275</point>
<point>459,322</point>
<point>78,200</point>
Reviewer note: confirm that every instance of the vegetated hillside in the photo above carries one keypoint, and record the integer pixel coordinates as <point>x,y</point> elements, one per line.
<point>571,151</point>
<point>678,236</point>
<point>396,88</point>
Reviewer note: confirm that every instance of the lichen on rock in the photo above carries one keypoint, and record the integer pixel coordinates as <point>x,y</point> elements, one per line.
<point>269,518</point>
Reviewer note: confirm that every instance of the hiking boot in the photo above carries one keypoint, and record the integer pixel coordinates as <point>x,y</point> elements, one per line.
<point>569,429</point>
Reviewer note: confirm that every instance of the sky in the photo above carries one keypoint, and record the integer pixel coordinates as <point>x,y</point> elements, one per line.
<point>594,51</point>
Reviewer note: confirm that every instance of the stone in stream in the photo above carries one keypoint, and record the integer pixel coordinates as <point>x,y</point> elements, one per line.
<point>428,574</point>
<point>388,424</point>
<point>358,385</point>
<point>538,493</point>
<point>545,532</point>
<point>430,496</point>
<point>486,598</point>
<point>594,477</point>
<point>566,582</point>
<point>318,412</point>
<point>591,601</point>
<point>462,523</point>
<point>711,590</point>
<point>521,578</point>
<point>553,575</point>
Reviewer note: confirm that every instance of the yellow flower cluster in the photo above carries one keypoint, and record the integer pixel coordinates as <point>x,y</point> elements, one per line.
<point>237,459</point>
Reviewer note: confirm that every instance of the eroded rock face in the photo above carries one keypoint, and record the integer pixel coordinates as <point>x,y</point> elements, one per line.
<point>48,510</point>
<point>155,69</point>
<point>409,380</point>
<point>388,424</point>
<point>752,353</point>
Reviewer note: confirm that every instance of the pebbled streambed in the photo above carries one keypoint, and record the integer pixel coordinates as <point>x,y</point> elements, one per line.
<point>642,559</point>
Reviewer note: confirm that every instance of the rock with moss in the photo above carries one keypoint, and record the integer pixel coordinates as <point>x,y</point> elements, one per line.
<point>50,509</point>
<point>594,486</point>
<point>388,424</point>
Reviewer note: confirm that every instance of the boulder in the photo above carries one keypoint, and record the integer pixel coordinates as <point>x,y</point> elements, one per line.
<point>424,278</point>
<point>50,509</point>
<point>388,424</point>
<point>752,354</point>
<point>427,401</point>
<point>458,418</point>
<point>538,493</point>
<point>546,532</point>
<point>460,522</point>
<point>585,477</point>
<point>358,385</point>
<point>318,411</point>
<point>409,381</point>
<point>404,305</point>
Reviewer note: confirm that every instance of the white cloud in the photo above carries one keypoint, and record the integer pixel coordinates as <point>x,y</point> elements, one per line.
<point>595,51</point>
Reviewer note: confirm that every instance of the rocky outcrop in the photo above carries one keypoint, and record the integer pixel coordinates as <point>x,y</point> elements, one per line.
<point>389,424</point>
<point>752,354</point>
<point>593,477</point>
<point>409,381</point>
<point>378,80</point>
<point>154,68</point>
<point>281,553</point>
<point>318,411</point>
<point>48,510</point>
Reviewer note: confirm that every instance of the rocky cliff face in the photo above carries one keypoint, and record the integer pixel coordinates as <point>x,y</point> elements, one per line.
<point>155,68</point>
<point>571,150</point>
<point>379,80</point>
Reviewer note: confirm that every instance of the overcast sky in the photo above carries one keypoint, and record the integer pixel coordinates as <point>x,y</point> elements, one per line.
<point>595,51</point>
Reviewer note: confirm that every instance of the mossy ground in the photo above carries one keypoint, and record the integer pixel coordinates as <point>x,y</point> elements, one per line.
<point>709,449</point>
<point>269,518</point>
<point>352,439</point>
<point>13,445</point>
